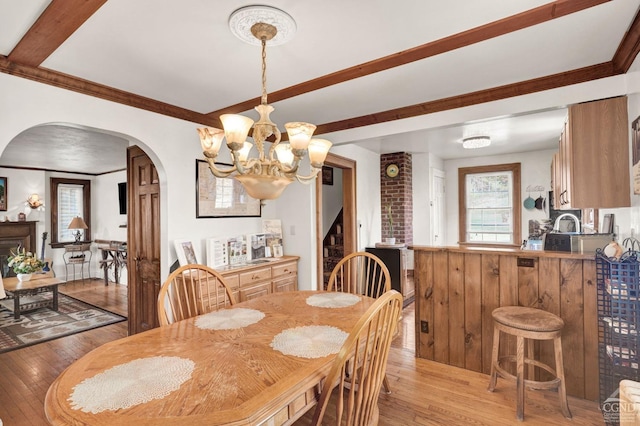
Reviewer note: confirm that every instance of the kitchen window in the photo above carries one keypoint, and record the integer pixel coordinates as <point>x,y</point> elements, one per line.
<point>489,198</point>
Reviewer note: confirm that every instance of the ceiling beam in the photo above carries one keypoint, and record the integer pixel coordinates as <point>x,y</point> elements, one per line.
<point>65,81</point>
<point>531,17</point>
<point>553,81</point>
<point>59,20</point>
<point>485,32</point>
<point>628,48</point>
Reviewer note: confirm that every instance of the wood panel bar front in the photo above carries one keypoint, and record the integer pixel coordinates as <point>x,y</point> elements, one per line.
<point>458,288</point>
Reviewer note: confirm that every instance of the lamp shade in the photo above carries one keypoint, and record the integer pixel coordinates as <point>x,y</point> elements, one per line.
<point>299,134</point>
<point>77,223</point>
<point>318,150</point>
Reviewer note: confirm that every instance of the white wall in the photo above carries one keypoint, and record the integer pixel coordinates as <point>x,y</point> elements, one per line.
<point>421,195</point>
<point>535,170</point>
<point>21,184</point>
<point>107,223</point>
<point>423,165</point>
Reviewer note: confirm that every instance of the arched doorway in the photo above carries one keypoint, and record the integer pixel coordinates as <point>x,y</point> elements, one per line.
<point>36,154</point>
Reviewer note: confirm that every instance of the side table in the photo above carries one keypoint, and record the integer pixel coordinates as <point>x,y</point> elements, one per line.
<point>77,256</point>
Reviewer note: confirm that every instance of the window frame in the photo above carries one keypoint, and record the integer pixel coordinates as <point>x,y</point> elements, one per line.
<point>463,172</point>
<point>86,208</point>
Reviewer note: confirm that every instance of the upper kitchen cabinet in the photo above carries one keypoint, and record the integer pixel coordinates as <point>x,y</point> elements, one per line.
<point>591,168</point>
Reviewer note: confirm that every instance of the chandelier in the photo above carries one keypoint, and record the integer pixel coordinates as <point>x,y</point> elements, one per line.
<point>266,176</point>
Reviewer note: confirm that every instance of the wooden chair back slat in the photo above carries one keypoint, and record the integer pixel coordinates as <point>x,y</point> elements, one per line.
<point>360,273</point>
<point>192,290</point>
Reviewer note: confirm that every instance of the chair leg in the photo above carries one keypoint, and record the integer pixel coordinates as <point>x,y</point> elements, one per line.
<point>520,377</point>
<point>385,385</point>
<point>562,391</point>
<point>494,360</point>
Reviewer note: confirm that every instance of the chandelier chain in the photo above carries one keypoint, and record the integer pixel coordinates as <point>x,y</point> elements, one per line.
<point>264,71</point>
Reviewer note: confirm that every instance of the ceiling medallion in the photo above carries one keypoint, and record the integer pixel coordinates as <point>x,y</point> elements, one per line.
<point>241,21</point>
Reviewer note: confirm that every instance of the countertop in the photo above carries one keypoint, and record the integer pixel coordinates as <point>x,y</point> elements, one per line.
<point>514,251</point>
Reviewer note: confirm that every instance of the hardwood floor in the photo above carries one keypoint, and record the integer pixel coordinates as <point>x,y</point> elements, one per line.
<point>25,374</point>
<point>423,392</point>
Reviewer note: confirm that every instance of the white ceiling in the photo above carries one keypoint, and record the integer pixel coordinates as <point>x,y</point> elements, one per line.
<point>183,53</point>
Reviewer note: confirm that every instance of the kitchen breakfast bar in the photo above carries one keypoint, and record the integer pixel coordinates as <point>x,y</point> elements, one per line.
<point>458,288</point>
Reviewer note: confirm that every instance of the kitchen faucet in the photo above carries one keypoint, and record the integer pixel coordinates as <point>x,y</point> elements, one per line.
<point>556,226</point>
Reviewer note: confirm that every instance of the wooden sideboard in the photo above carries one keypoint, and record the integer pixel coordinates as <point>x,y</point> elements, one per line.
<point>457,289</point>
<point>254,280</point>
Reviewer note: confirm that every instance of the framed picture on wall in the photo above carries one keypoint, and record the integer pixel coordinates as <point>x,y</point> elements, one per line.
<point>222,197</point>
<point>327,175</point>
<point>3,194</point>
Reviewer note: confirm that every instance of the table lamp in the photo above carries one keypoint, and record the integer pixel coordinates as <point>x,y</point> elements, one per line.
<point>77,223</point>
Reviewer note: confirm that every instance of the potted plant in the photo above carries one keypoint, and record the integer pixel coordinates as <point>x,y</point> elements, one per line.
<point>391,239</point>
<point>24,263</point>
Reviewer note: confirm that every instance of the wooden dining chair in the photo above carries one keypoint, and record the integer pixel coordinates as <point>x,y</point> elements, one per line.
<point>360,273</point>
<point>192,290</point>
<point>367,348</point>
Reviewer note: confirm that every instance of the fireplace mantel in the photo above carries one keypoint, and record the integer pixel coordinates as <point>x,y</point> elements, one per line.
<point>12,236</point>
<point>20,230</point>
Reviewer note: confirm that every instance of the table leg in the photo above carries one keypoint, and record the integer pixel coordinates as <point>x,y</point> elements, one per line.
<point>116,272</point>
<point>16,305</point>
<point>55,298</point>
<point>105,266</point>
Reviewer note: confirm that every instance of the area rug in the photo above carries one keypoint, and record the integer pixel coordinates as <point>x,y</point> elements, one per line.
<point>73,316</point>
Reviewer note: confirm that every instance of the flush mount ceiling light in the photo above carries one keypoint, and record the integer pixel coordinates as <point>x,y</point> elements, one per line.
<point>265,177</point>
<point>473,142</point>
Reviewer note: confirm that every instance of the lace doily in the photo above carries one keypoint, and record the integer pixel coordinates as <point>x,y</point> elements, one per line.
<point>333,300</point>
<point>228,319</point>
<point>130,384</point>
<point>313,341</point>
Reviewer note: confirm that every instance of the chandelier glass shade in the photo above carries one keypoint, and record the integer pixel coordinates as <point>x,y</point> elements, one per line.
<point>264,177</point>
<point>474,142</point>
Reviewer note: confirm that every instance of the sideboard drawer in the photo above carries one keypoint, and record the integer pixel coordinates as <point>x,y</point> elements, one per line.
<point>258,275</point>
<point>284,270</point>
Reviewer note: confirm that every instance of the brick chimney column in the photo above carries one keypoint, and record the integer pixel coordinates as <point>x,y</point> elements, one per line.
<point>398,192</point>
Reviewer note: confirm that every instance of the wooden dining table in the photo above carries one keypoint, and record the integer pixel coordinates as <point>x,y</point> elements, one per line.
<point>213,369</point>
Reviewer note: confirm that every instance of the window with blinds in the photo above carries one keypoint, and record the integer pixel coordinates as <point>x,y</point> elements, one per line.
<point>490,207</point>
<point>489,204</point>
<point>69,198</point>
<point>70,205</point>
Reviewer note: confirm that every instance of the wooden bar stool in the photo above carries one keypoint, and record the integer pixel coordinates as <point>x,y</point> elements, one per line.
<point>533,324</point>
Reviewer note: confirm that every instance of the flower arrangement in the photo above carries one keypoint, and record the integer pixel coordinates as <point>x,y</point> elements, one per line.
<point>24,262</point>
